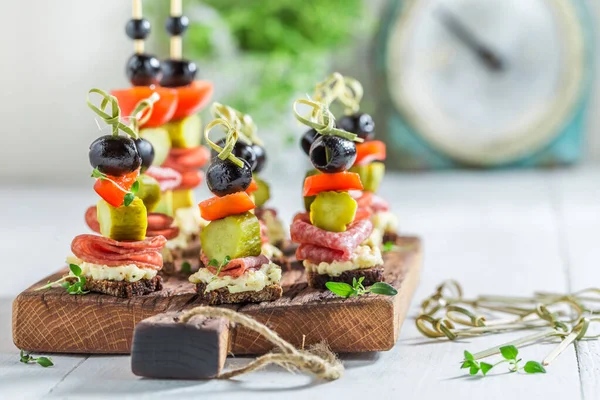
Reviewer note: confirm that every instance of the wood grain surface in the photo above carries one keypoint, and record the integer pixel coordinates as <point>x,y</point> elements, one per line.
<point>56,322</point>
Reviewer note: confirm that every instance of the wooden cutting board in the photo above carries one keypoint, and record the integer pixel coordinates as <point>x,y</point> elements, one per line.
<point>52,321</point>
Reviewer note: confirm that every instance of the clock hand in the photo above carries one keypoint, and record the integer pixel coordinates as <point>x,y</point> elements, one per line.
<point>489,58</point>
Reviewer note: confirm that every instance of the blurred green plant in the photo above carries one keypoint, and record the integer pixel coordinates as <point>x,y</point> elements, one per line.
<point>287,44</point>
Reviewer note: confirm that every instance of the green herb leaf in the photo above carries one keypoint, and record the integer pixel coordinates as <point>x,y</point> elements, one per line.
<point>341,289</point>
<point>24,357</point>
<point>383,288</point>
<point>129,197</point>
<point>534,367</point>
<point>65,284</point>
<point>354,283</point>
<point>225,261</point>
<point>135,187</point>
<point>186,267</point>
<point>485,367</point>
<point>388,246</point>
<point>509,352</point>
<point>468,356</point>
<point>98,174</point>
<point>45,362</point>
<point>75,269</point>
<point>474,369</point>
<point>465,364</point>
<point>213,263</point>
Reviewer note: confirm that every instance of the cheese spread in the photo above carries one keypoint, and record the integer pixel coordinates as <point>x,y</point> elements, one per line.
<point>362,257</point>
<point>253,280</point>
<point>128,273</point>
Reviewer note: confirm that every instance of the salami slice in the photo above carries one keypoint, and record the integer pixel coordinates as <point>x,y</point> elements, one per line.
<point>168,178</point>
<point>91,218</point>
<point>100,250</point>
<point>379,204</point>
<point>304,233</point>
<point>168,233</point>
<point>318,254</point>
<point>185,159</point>
<point>236,267</point>
<point>264,232</point>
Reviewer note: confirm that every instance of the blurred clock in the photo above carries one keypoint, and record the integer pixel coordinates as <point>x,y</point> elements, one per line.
<point>484,82</point>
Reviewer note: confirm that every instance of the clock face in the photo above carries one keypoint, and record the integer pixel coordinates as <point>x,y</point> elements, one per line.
<point>486,82</point>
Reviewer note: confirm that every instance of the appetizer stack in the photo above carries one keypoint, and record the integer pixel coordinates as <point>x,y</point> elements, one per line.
<point>174,129</point>
<point>233,268</point>
<point>122,262</point>
<point>333,235</point>
<point>250,148</point>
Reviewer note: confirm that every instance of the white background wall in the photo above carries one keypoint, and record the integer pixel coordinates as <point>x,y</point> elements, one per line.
<point>52,52</point>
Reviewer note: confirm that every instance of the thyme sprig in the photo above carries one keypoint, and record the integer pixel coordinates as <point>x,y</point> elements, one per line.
<point>343,289</point>
<point>510,355</point>
<point>73,283</point>
<point>27,358</point>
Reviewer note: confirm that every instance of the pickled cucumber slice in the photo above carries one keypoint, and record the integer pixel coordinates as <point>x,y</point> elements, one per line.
<point>309,199</point>
<point>183,198</point>
<point>165,205</point>
<point>149,191</point>
<point>186,132</point>
<point>333,211</point>
<point>124,222</point>
<point>159,137</point>
<point>371,175</point>
<point>235,236</point>
<point>263,193</point>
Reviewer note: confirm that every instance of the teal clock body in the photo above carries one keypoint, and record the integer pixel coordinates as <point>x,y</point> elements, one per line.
<point>484,84</point>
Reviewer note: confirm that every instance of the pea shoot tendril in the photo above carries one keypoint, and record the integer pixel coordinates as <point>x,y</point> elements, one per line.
<point>231,138</point>
<point>141,112</point>
<point>322,120</point>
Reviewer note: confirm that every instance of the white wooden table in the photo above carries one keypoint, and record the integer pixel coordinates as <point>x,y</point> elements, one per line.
<point>497,233</point>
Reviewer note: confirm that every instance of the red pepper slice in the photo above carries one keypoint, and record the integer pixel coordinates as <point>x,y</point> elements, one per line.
<point>163,109</point>
<point>192,98</point>
<point>114,189</point>
<point>373,150</point>
<point>342,181</point>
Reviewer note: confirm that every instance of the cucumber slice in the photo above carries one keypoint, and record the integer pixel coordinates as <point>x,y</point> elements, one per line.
<point>159,137</point>
<point>183,198</point>
<point>149,191</point>
<point>309,199</point>
<point>371,175</point>
<point>263,193</point>
<point>332,211</point>
<point>124,222</point>
<point>235,236</point>
<point>165,205</point>
<point>186,132</point>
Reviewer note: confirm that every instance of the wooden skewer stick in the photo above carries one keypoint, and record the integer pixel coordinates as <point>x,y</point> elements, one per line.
<point>138,45</point>
<point>176,45</point>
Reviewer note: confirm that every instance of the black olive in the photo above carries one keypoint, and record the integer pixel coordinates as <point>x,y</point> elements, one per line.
<point>146,152</point>
<point>114,155</point>
<point>361,124</point>
<point>137,29</point>
<point>331,154</point>
<point>240,150</point>
<point>261,157</point>
<point>308,139</point>
<point>177,73</point>
<point>143,70</point>
<point>224,177</point>
<point>177,26</point>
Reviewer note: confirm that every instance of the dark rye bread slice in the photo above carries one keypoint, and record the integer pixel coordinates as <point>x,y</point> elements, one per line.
<point>390,237</point>
<point>124,289</point>
<point>371,275</point>
<point>222,295</point>
<point>190,253</point>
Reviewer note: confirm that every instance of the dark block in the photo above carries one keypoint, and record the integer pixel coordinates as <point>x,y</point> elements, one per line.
<point>164,348</point>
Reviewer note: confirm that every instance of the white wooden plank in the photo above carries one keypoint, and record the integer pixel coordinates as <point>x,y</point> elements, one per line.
<point>494,232</point>
<point>578,203</point>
